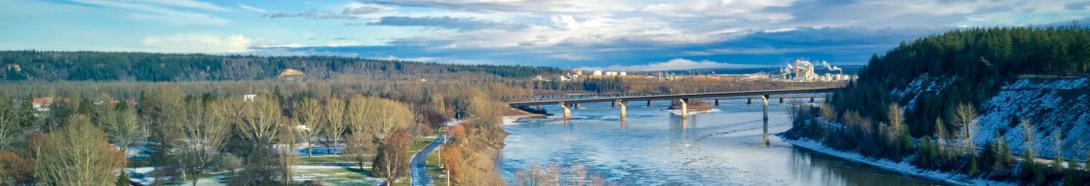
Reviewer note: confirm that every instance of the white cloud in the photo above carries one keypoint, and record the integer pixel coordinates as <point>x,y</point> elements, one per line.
<point>194,4</point>
<point>252,9</point>
<point>164,11</point>
<point>199,43</point>
<point>673,64</point>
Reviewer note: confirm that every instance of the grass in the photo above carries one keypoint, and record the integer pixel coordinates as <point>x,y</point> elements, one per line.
<point>343,175</point>
<point>337,176</point>
<point>322,159</point>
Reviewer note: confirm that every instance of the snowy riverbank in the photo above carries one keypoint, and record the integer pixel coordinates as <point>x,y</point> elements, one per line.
<point>902,167</point>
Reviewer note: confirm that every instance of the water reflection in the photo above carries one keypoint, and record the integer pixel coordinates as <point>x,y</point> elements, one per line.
<point>820,168</point>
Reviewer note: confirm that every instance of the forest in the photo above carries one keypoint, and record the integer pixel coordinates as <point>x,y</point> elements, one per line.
<point>935,130</point>
<point>128,66</point>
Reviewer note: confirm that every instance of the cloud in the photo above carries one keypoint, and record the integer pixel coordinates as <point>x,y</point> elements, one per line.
<point>447,22</point>
<point>350,11</point>
<point>1077,6</point>
<point>193,4</point>
<point>365,9</point>
<point>163,11</point>
<point>252,9</point>
<point>533,6</point>
<point>199,43</point>
<point>673,64</point>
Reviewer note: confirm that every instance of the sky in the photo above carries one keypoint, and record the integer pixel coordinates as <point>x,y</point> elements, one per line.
<point>587,34</point>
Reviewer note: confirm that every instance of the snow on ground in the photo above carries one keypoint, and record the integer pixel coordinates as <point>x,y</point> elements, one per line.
<point>921,86</point>
<point>902,167</point>
<point>510,120</point>
<point>319,149</point>
<point>1050,105</point>
<point>335,175</point>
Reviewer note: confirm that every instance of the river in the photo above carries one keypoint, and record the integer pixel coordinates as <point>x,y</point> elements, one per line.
<point>654,147</point>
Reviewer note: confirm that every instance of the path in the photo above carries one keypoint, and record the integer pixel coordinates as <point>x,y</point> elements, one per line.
<point>418,166</point>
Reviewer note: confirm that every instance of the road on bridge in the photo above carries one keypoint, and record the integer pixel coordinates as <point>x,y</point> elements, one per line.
<point>418,163</point>
<point>676,96</point>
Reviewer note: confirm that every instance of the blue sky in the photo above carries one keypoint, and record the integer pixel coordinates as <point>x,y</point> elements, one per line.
<point>614,34</point>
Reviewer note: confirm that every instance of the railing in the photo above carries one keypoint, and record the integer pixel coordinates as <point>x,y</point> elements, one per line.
<point>535,99</point>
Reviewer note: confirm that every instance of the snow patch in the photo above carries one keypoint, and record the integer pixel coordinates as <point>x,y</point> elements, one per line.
<point>1049,105</point>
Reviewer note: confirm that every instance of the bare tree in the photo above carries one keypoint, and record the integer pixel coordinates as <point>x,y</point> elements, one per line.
<point>393,156</point>
<point>965,118</point>
<point>77,154</point>
<point>261,123</point>
<point>377,116</point>
<point>309,115</point>
<point>203,137</point>
<point>333,116</point>
<point>358,148</point>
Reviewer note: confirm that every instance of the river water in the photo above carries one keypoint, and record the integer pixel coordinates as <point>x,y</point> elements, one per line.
<point>654,147</point>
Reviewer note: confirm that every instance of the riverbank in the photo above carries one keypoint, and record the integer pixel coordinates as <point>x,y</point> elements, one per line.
<point>903,167</point>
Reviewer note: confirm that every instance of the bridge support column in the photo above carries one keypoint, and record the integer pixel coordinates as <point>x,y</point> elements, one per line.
<point>781,99</point>
<point>567,111</point>
<point>716,101</point>
<point>624,108</point>
<point>764,137</point>
<point>811,99</point>
<point>648,103</point>
<point>749,101</point>
<point>684,108</point>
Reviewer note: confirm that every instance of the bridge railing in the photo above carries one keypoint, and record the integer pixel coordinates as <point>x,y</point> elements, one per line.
<point>532,98</point>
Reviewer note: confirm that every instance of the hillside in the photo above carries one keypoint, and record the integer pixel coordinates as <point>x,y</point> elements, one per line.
<point>967,102</point>
<point>1057,105</point>
<point>105,66</point>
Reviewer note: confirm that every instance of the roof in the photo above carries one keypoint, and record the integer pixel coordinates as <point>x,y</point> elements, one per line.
<point>291,72</point>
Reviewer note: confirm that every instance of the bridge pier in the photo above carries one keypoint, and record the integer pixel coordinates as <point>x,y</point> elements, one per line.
<point>781,99</point>
<point>749,101</point>
<point>811,99</point>
<point>684,108</point>
<point>716,101</point>
<point>764,136</point>
<point>567,111</point>
<point>624,108</point>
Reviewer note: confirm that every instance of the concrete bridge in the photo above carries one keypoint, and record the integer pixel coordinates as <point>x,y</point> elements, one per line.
<point>622,100</point>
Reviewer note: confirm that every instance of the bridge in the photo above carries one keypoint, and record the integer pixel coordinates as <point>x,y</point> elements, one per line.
<point>568,102</point>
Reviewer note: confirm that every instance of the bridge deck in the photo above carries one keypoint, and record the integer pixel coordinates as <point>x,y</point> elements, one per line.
<point>676,96</point>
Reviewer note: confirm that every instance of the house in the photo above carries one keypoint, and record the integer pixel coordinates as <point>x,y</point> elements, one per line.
<point>42,104</point>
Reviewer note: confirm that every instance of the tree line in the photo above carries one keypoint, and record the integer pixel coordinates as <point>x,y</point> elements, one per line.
<point>132,66</point>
